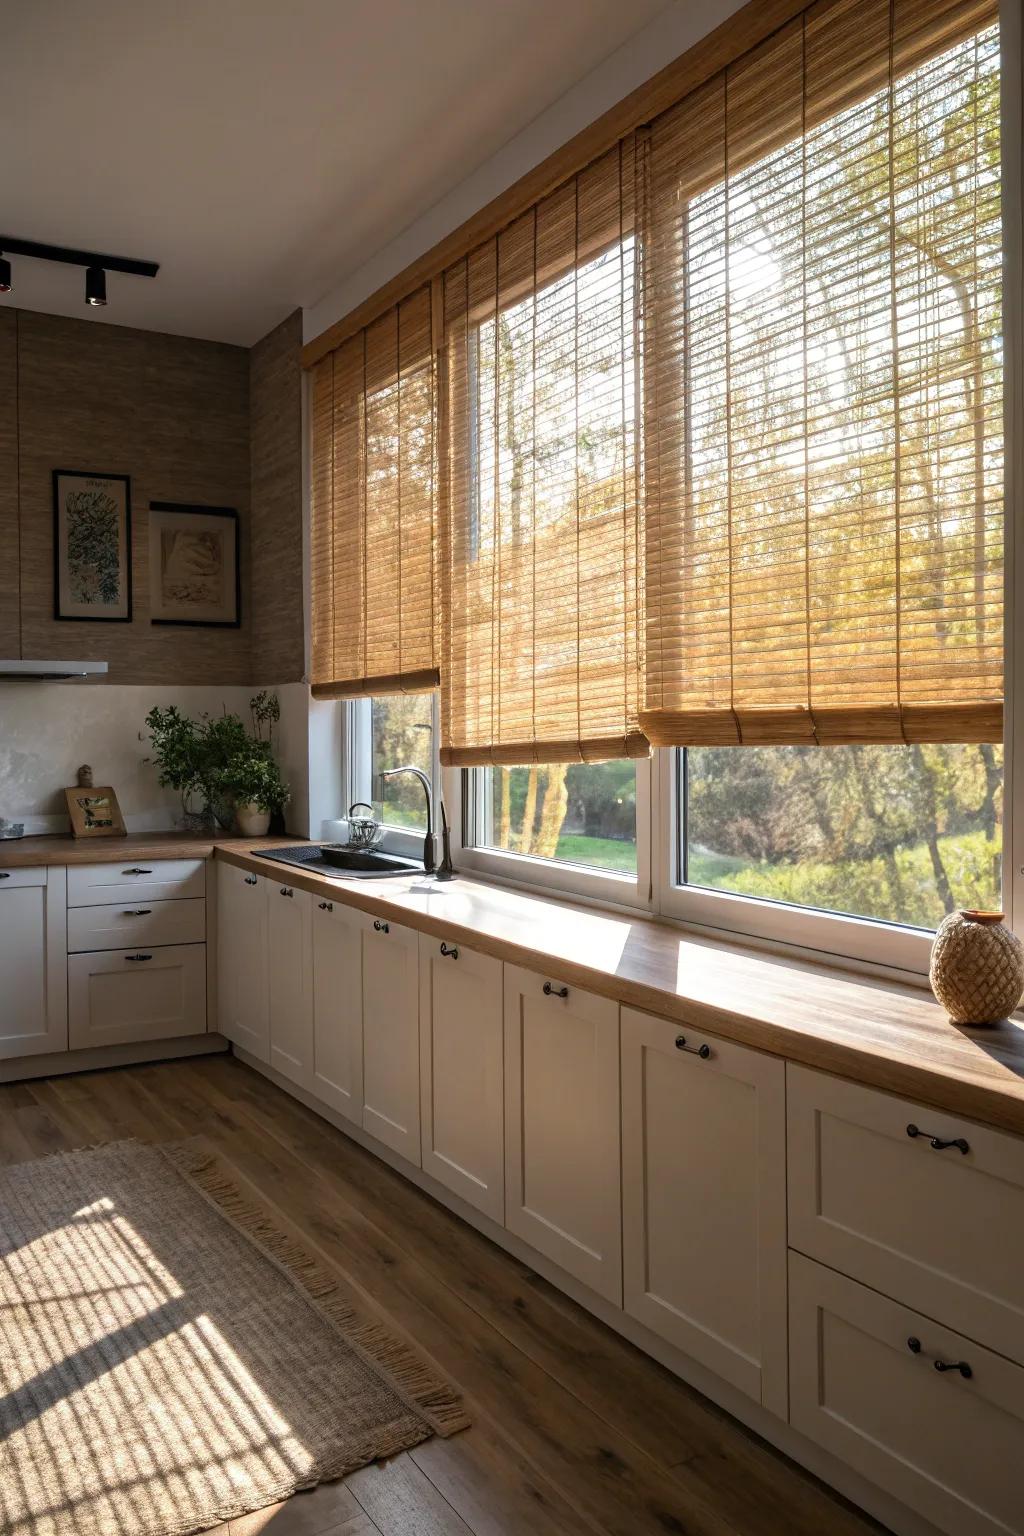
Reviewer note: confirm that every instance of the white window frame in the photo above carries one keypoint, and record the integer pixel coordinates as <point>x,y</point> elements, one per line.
<point>555,875</point>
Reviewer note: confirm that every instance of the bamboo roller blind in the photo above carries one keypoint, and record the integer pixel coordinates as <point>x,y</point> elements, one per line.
<point>718,447</point>
<point>539,648</point>
<point>373,549</point>
<point>822,392</point>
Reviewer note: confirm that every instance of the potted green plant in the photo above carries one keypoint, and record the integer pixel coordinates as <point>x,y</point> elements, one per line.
<point>218,768</point>
<point>257,788</point>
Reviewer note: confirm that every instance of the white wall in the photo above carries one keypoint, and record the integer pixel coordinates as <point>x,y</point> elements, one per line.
<point>649,50</point>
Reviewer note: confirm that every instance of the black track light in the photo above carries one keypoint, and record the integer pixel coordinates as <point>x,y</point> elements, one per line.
<point>95,285</point>
<point>5,275</point>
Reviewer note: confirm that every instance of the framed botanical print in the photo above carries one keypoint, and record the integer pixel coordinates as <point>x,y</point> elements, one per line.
<point>193,565</point>
<point>94,812</point>
<point>92,557</point>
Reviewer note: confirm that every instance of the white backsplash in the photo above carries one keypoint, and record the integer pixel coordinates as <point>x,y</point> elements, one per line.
<point>48,729</point>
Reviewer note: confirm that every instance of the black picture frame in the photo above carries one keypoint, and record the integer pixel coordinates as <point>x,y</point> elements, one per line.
<point>195,510</point>
<point>56,476</point>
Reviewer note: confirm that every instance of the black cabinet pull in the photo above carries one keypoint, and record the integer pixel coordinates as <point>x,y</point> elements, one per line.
<point>381,927</point>
<point>914,1345</point>
<point>138,957</point>
<point>4,875</point>
<point>326,906</point>
<point>137,912</point>
<point>937,1142</point>
<point>703,1051</point>
<point>250,879</point>
<point>286,890</point>
<point>450,952</point>
<point>550,991</point>
<point>136,871</point>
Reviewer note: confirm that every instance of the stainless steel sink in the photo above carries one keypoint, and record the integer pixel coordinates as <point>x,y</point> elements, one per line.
<point>366,864</point>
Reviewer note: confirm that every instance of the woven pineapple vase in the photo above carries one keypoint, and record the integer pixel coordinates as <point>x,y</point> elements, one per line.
<point>977,967</point>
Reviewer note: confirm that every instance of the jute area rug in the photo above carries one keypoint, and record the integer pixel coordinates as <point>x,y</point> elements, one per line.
<point>170,1360</point>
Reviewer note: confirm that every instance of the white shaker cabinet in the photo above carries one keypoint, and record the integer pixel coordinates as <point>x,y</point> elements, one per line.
<point>33,973</point>
<point>243,1012</point>
<point>562,1126</point>
<point>461,1067</point>
<point>391,1042</point>
<point>338,1006</point>
<point>290,989</point>
<point>118,997</point>
<point>704,1200</point>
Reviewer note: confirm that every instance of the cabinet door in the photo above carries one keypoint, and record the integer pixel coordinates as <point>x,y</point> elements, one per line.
<point>338,1007</point>
<point>704,1200</point>
<point>242,976</point>
<point>865,1387</point>
<point>461,1070</point>
<point>290,951</point>
<point>391,1041</point>
<point>118,997</point>
<point>562,1127</point>
<point>33,968</point>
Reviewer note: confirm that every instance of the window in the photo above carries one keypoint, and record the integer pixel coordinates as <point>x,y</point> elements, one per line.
<point>900,834</point>
<point>394,730</point>
<point>576,813</point>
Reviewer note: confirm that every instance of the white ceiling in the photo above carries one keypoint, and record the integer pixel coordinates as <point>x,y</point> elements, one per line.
<point>261,150</point>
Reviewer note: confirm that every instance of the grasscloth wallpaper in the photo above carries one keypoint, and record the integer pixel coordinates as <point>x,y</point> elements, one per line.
<point>174,414</point>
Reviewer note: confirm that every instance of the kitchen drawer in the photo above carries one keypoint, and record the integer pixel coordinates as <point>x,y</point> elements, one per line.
<point>120,996</point>
<point>10,878</point>
<point>863,1384</point>
<point>136,882</point>
<point>936,1227</point>
<point>117,927</point>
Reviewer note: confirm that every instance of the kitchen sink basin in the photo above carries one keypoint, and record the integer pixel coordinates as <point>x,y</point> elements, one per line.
<point>339,863</point>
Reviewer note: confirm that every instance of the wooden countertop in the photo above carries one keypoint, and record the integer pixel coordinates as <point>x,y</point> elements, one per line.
<point>879,1033</point>
<point>26,852</point>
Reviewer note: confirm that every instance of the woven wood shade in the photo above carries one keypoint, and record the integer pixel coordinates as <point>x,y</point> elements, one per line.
<point>373,557</point>
<point>822,387</point>
<point>539,650</point>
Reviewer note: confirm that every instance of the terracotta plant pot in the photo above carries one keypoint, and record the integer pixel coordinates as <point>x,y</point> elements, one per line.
<point>977,967</point>
<point>252,820</point>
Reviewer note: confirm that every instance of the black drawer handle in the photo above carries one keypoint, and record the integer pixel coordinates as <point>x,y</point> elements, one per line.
<point>133,958</point>
<point>4,875</point>
<point>136,871</point>
<point>137,912</point>
<point>914,1345</point>
<point>286,890</point>
<point>451,952</point>
<point>381,927</point>
<point>250,879</point>
<point>551,991</point>
<point>937,1142</point>
<point>326,906</point>
<point>703,1051</point>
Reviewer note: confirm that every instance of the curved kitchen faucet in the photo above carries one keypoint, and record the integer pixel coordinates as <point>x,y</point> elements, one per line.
<point>428,841</point>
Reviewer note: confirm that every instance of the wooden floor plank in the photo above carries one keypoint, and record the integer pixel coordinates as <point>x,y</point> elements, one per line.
<point>574,1433</point>
<point>399,1498</point>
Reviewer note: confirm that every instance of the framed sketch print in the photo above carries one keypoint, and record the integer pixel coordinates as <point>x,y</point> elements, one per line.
<point>92,559</point>
<point>193,565</point>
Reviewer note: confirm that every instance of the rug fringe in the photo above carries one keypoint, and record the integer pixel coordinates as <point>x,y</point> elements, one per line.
<point>414,1381</point>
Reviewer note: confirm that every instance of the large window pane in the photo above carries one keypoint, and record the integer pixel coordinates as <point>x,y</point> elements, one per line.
<point>583,813</point>
<point>904,834</point>
<point>402,729</point>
